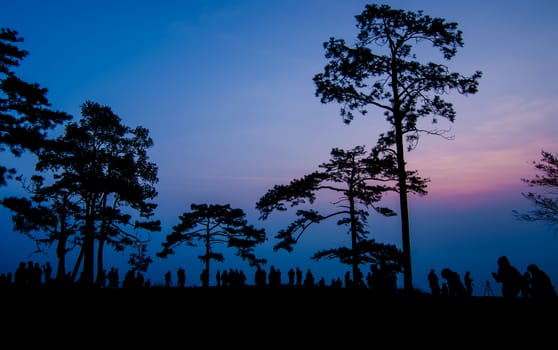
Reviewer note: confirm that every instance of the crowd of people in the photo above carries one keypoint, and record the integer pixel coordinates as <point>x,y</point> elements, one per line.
<point>30,274</point>
<point>533,283</point>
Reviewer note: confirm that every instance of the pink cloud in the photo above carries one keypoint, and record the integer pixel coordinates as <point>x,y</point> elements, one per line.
<point>490,154</point>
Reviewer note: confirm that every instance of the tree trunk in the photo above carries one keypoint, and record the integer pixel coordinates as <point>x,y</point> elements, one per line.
<point>403,203</point>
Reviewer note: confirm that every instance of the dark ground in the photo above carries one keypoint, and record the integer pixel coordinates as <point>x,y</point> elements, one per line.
<point>264,318</point>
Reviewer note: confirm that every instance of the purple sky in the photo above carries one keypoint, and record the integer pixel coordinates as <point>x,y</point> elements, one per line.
<point>226,90</point>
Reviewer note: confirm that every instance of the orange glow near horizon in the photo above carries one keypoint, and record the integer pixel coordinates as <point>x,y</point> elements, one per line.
<point>490,157</point>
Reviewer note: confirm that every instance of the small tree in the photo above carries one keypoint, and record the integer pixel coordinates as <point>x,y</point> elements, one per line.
<point>382,71</point>
<point>545,202</point>
<point>215,224</point>
<point>358,181</point>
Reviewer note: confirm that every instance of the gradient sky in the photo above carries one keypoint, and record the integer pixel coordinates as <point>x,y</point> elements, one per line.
<point>225,89</point>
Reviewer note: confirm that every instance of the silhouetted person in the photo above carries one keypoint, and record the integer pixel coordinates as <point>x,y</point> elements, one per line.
<point>20,275</point>
<point>298,273</point>
<point>358,280</point>
<point>454,284</point>
<point>181,277</point>
<point>274,276</point>
<point>383,279</point>
<point>468,280</point>
<point>337,283</point>
<point>541,285</point>
<point>369,280</point>
<point>113,278</point>
<point>277,277</point>
<point>34,274</point>
<point>204,278</point>
<point>242,278</point>
<point>168,279</point>
<point>236,278</point>
<point>5,280</point>
<point>376,278</point>
<point>347,279</point>
<point>130,279</point>
<point>47,271</point>
<point>509,277</point>
<point>389,281</point>
<point>101,278</point>
<point>309,279</point>
<point>291,277</point>
<point>218,278</point>
<point>433,282</point>
<point>140,279</point>
<point>260,277</point>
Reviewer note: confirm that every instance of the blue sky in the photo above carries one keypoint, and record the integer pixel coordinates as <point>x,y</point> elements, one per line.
<point>226,90</point>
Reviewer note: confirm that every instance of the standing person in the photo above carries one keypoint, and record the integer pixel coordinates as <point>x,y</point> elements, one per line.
<point>47,272</point>
<point>181,277</point>
<point>20,277</point>
<point>218,278</point>
<point>309,279</point>
<point>101,278</point>
<point>291,277</point>
<point>168,279</point>
<point>348,281</point>
<point>113,277</point>
<point>434,282</point>
<point>204,278</point>
<point>468,280</point>
<point>509,277</point>
<point>298,274</point>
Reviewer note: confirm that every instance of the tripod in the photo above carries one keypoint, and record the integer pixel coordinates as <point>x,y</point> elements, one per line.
<point>488,292</point>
